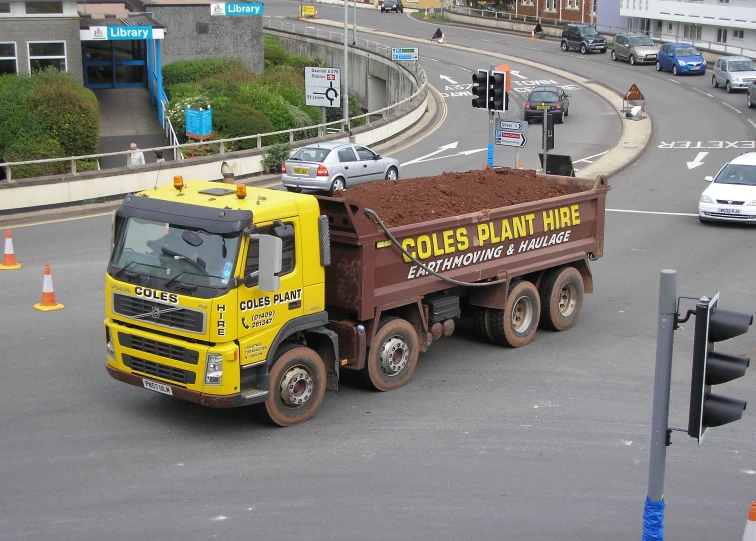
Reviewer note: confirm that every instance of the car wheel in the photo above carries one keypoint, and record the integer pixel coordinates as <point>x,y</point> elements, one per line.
<point>632,59</point>
<point>565,47</point>
<point>748,100</point>
<point>714,82</point>
<point>338,184</point>
<point>567,112</point>
<point>728,88</point>
<point>614,56</point>
<point>392,174</point>
<point>583,49</point>
<point>674,70</point>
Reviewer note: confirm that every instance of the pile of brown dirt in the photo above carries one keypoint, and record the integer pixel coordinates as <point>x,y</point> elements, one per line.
<point>403,202</point>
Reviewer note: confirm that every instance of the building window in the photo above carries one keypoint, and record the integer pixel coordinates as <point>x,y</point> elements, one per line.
<point>47,53</point>
<point>5,7</point>
<point>593,6</point>
<point>691,31</point>
<point>526,3</point>
<point>44,8</point>
<point>724,1</point>
<point>550,5</point>
<point>721,35</point>
<point>8,63</point>
<point>737,34</point>
<point>572,4</point>
<point>669,26</point>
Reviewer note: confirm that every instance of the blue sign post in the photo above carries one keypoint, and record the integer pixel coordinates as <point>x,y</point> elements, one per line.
<point>199,123</point>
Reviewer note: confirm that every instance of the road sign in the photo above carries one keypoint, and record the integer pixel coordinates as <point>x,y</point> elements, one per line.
<point>246,8</point>
<point>511,138</point>
<point>323,87</point>
<point>404,53</point>
<point>513,125</point>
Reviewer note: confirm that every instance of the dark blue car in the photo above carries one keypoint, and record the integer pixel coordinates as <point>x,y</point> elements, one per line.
<point>680,58</point>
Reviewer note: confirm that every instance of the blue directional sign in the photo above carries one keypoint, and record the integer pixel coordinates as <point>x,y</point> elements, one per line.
<point>404,54</point>
<point>199,124</point>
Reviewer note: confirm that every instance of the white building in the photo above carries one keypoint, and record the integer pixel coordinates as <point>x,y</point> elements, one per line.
<point>727,26</point>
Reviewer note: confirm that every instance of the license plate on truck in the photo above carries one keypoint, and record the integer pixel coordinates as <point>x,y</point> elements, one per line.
<point>157,387</point>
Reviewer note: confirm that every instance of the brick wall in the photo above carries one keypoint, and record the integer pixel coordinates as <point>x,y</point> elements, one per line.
<point>22,31</point>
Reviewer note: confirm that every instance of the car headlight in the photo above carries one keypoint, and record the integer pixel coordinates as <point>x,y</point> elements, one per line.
<point>736,79</point>
<point>109,344</point>
<point>751,203</point>
<point>682,62</point>
<point>214,369</point>
<point>705,199</point>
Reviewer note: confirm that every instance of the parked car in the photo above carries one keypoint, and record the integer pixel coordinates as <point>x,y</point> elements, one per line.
<point>734,73</point>
<point>583,37</point>
<point>680,58</point>
<point>392,5</point>
<point>635,48</point>
<point>547,97</point>
<point>731,196</point>
<point>751,95</point>
<point>333,166</point>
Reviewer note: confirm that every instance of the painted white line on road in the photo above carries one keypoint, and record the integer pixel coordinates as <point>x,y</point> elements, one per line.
<point>667,79</point>
<point>533,48</point>
<point>589,158</point>
<point>69,219</point>
<point>752,123</point>
<point>431,59</point>
<point>731,107</point>
<point>652,212</point>
<point>488,40</point>
<point>701,91</point>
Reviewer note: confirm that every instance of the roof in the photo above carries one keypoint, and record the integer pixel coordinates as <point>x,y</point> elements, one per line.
<point>545,89</point>
<point>740,58</point>
<point>329,144</point>
<point>678,45</point>
<point>264,203</point>
<point>749,158</point>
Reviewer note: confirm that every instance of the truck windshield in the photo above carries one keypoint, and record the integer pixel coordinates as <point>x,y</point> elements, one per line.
<point>176,253</point>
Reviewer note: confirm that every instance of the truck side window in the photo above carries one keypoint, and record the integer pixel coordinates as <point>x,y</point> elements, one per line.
<point>253,253</point>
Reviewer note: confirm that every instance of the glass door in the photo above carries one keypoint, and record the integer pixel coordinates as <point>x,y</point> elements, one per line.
<point>98,64</point>
<point>115,64</point>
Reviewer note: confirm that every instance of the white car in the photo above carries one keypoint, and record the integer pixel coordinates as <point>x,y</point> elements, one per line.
<point>731,197</point>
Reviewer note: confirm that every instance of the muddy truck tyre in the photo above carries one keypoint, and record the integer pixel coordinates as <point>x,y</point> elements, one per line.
<point>516,325</point>
<point>297,386</point>
<point>482,324</point>
<point>561,298</point>
<point>392,357</point>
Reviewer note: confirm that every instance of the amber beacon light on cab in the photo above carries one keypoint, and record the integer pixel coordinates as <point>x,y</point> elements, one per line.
<point>228,296</point>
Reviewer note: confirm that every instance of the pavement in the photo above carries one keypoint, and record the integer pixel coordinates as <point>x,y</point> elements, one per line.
<point>127,116</point>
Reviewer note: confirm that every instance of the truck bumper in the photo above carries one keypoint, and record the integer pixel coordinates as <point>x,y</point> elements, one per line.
<point>213,401</point>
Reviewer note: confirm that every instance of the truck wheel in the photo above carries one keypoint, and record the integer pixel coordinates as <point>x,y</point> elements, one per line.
<point>516,325</point>
<point>482,324</point>
<point>561,298</point>
<point>297,386</point>
<point>393,354</point>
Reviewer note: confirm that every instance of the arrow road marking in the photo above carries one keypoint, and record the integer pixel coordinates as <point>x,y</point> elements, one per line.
<point>589,159</point>
<point>517,74</point>
<point>449,79</point>
<point>697,161</point>
<point>440,150</point>
<point>463,153</point>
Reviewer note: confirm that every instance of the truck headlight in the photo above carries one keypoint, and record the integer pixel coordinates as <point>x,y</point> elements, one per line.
<point>705,199</point>
<point>109,344</point>
<point>214,369</point>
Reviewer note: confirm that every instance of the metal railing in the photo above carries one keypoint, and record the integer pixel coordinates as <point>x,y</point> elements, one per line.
<point>419,83</point>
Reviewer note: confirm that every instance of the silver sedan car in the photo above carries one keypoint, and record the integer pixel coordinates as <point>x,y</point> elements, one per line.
<point>333,166</point>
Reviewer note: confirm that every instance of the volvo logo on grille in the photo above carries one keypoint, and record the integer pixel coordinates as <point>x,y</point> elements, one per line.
<point>156,313</point>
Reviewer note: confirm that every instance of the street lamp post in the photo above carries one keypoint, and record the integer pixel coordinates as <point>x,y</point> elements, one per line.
<point>345,69</point>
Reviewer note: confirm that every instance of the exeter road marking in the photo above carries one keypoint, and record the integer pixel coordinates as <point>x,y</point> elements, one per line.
<point>701,91</point>
<point>676,145</point>
<point>731,107</point>
<point>653,212</point>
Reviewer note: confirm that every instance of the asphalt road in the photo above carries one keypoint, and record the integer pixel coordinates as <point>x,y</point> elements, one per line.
<point>550,441</point>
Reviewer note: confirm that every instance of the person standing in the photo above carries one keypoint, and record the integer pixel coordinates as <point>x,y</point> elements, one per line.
<point>135,157</point>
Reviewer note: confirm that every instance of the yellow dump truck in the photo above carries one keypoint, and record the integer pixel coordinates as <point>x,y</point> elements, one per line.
<point>227,296</point>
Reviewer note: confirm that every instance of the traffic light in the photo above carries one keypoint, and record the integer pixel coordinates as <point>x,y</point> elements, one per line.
<point>711,367</point>
<point>498,100</point>
<point>480,89</point>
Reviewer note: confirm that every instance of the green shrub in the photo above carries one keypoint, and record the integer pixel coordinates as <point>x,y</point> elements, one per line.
<point>355,109</point>
<point>182,91</point>
<point>301,119</point>
<point>190,71</point>
<point>275,56</point>
<point>36,149</point>
<point>275,157</point>
<point>237,120</point>
<point>300,62</point>
<point>69,112</point>
<point>17,120</point>
<point>234,74</point>
<point>286,76</point>
<point>269,102</point>
<point>271,41</point>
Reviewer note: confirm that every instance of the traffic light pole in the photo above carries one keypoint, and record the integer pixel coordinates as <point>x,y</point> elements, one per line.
<point>544,140</point>
<point>491,131</point>
<point>653,515</point>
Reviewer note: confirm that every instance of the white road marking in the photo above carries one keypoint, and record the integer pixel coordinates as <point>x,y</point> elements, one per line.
<point>668,79</point>
<point>449,79</point>
<point>437,151</point>
<point>488,40</point>
<point>701,91</point>
<point>517,74</point>
<point>652,212</point>
<point>431,59</point>
<point>731,107</point>
<point>697,160</point>
<point>752,123</point>
<point>589,158</point>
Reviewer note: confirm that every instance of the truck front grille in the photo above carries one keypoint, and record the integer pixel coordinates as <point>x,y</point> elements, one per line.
<point>157,313</point>
<point>177,353</point>
<point>159,370</point>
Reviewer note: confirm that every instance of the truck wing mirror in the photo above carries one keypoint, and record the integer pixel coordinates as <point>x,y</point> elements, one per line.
<point>270,262</point>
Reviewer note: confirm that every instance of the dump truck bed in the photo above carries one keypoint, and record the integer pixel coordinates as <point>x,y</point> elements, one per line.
<point>369,271</point>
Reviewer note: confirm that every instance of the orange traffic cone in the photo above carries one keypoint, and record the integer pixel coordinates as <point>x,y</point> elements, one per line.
<point>48,302</point>
<point>750,530</point>
<point>532,34</point>
<point>9,259</point>
<point>443,38</point>
<point>426,14</point>
<point>521,164</point>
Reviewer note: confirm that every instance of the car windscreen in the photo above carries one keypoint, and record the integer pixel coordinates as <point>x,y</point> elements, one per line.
<point>688,51</point>
<point>548,97</point>
<point>311,154</point>
<point>642,41</point>
<point>744,175</point>
<point>588,32</point>
<point>740,65</point>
